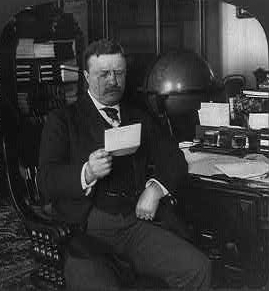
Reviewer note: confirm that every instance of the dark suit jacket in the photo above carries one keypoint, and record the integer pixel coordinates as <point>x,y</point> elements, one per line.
<point>72,133</point>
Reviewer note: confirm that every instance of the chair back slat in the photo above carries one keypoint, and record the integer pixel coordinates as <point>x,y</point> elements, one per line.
<point>21,139</point>
<point>29,176</point>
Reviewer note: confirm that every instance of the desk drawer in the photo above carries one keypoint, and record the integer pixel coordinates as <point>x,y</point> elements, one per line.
<point>217,208</point>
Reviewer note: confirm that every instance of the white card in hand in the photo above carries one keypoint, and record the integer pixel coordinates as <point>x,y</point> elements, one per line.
<point>125,140</point>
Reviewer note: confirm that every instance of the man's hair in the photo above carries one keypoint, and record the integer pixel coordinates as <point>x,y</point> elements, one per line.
<point>102,47</point>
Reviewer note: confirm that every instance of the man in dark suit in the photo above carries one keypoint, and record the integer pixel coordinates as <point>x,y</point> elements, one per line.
<point>113,194</point>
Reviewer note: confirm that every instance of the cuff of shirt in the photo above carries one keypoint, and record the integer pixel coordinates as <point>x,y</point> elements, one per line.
<point>84,184</point>
<point>165,191</point>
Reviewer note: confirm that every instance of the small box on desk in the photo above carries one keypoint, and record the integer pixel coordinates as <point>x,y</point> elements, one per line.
<point>263,141</point>
<point>226,140</point>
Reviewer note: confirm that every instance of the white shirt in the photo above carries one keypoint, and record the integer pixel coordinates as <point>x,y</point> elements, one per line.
<point>113,123</point>
<point>100,106</point>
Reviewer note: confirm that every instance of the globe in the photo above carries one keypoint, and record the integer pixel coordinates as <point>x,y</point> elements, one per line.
<point>181,78</point>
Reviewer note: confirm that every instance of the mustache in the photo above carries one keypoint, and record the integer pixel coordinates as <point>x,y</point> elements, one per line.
<point>114,89</point>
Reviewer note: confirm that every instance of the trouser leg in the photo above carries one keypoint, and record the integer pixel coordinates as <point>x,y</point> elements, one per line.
<point>153,250</point>
<point>160,253</point>
<point>94,273</point>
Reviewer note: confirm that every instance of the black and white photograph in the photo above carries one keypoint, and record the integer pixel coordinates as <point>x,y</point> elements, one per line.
<point>134,145</point>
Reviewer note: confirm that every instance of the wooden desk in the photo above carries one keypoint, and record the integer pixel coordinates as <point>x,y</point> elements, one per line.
<point>231,224</point>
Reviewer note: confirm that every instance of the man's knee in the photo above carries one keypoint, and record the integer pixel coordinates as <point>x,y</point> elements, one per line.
<point>196,275</point>
<point>201,273</point>
<point>89,274</point>
<point>204,273</point>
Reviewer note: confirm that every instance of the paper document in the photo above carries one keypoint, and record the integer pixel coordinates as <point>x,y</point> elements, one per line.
<point>185,144</point>
<point>202,163</point>
<point>258,120</point>
<point>214,114</point>
<point>125,140</point>
<point>244,169</point>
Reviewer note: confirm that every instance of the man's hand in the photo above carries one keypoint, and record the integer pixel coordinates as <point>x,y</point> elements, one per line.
<point>99,165</point>
<point>149,201</point>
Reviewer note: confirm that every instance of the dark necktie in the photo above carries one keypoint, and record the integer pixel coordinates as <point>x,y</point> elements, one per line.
<point>111,113</point>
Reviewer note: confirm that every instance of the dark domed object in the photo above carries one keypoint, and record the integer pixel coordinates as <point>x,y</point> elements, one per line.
<point>183,77</point>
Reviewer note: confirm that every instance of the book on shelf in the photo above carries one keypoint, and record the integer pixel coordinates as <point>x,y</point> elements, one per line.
<point>44,50</point>
<point>69,73</point>
<point>47,78</point>
<point>24,71</point>
<point>46,72</point>
<point>46,67</point>
<point>28,49</point>
<point>25,48</point>
<point>23,79</point>
<point>24,76</point>
<point>23,66</point>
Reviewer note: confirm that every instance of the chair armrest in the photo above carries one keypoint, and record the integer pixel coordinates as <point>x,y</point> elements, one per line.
<point>60,232</point>
<point>49,237</point>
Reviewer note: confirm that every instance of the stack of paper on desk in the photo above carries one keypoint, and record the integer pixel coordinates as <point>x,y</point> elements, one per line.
<point>214,114</point>
<point>258,120</point>
<point>205,163</point>
<point>125,140</point>
<point>244,169</point>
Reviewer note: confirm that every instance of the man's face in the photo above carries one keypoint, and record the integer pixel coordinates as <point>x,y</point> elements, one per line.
<point>106,77</point>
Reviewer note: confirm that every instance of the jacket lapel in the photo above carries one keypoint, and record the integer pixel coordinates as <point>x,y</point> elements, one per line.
<point>128,117</point>
<point>92,119</point>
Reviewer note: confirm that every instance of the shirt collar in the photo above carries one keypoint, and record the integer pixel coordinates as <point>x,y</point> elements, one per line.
<point>100,106</point>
